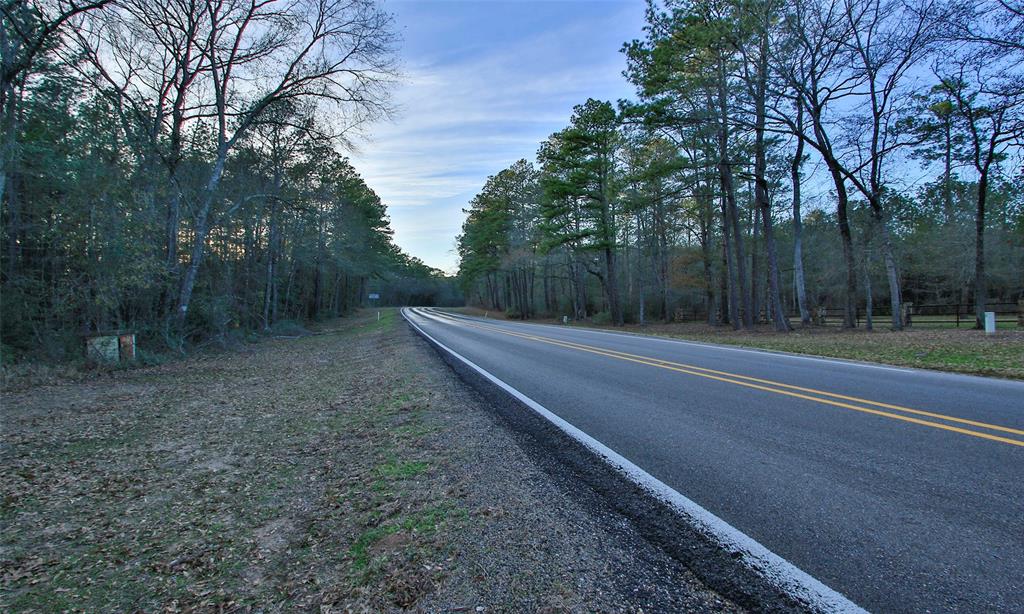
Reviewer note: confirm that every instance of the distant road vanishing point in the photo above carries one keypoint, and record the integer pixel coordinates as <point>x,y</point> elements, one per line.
<point>902,489</point>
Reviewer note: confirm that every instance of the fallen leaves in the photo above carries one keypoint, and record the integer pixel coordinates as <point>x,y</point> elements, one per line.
<point>222,483</point>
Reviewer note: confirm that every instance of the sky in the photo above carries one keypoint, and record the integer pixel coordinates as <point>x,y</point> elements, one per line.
<point>484,82</point>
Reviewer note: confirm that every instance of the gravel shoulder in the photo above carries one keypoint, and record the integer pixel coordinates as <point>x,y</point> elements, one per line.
<point>345,471</point>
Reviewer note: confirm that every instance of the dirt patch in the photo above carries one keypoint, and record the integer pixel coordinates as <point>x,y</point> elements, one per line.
<point>346,471</point>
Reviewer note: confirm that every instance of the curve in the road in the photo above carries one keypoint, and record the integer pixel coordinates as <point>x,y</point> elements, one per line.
<point>779,572</point>
<point>906,494</point>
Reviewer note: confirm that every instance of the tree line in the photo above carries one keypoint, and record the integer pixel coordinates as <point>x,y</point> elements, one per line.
<point>172,168</point>
<point>781,157</point>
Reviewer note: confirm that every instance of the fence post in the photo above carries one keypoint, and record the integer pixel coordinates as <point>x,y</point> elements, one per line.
<point>1020,312</point>
<point>958,315</point>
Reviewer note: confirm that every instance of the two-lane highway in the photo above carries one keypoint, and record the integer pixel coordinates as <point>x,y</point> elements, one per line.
<point>903,489</point>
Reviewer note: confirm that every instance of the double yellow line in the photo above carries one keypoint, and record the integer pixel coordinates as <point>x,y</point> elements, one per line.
<point>906,414</point>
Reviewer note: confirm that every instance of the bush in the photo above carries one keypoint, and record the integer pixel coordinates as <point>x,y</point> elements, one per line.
<point>148,358</point>
<point>288,328</point>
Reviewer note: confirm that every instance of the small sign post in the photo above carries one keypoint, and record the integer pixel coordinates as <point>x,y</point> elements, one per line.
<point>375,296</point>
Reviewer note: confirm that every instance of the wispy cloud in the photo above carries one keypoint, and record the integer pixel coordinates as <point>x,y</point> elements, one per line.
<point>485,83</point>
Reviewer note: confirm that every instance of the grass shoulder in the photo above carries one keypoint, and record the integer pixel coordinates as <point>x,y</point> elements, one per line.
<point>291,474</point>
<point>955,350</point>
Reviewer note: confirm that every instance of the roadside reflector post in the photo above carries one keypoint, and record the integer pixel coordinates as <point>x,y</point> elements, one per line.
<point>378,316</point>
<point>990,322</point>
<point>565,319</point>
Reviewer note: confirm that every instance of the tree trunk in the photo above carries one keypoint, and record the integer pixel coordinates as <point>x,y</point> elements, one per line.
<point>531,276</point>
<point>663,276</point>
<point>171,230</point>
<point>779,318</point>
<point>842,203</point>
<point>199,242</point>
<point>579,285</point>
<point>612,287</point>
<point>980,288</point>
<point>755,282</point>
<point>947,175</point>
<point>269,273</point>
<point>891,269</point>
<point>705,253</point>
<point>798,227</point>
<point>869,321</point>
<point>641,268</point>
<point>627,265</point>
<point>8,155</point>
<point>547,286</point>
<point>272,241</point>
<point>761,190</point>
<point>727,285</point>
<point>738,270</point>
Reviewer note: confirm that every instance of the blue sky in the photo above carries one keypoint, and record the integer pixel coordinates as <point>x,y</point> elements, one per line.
<point>484,83</point>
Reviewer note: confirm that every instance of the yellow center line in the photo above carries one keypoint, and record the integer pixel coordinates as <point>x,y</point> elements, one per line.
<point>756,383</point>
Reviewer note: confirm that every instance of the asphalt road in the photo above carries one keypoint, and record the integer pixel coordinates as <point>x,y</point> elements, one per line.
<point>903,489</point>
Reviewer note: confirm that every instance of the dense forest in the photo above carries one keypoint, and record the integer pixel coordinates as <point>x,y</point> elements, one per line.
<point>172,169</point>
<point>783,159</point>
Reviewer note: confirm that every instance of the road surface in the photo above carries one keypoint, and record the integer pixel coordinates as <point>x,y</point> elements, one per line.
<point>902,489</point>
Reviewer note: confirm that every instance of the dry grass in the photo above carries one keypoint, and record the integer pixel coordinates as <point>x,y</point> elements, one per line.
<point>295,474</point>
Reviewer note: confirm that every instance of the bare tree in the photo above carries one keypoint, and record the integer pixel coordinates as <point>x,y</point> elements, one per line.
<point>813,67</point>
<point>798,232</point>
<point>986,87</point>
<point>847,65</point>
<point>887,38</point>
<point>148,58</point>
<point>996,25</point>
<point>756,51</point>
<point>215,68</point>
<point>29,27</point>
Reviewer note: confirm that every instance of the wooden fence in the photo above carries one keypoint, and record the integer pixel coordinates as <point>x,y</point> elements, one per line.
<point>946,315</point>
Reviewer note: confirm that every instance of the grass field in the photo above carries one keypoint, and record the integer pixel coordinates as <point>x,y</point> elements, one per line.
<point>960,350</point>
<point>289,474</point>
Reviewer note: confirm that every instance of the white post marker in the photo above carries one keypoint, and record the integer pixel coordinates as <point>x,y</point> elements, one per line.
<point>378,316</point>
<point>990,322</point>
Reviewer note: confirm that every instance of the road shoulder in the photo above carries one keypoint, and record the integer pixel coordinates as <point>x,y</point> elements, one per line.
<point>345,471</point>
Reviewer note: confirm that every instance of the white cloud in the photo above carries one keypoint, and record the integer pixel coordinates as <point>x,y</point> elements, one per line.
<point>467,110</point>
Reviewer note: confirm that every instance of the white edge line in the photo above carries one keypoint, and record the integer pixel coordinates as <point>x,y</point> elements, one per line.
<point>779,572</point>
